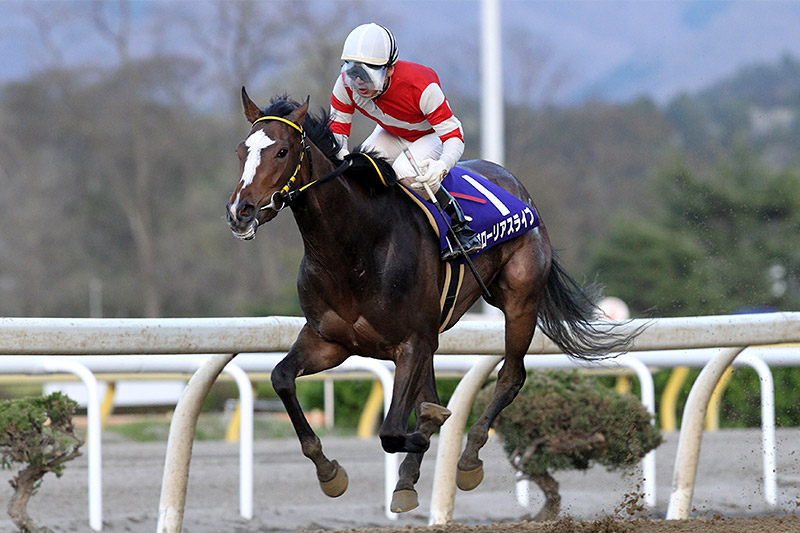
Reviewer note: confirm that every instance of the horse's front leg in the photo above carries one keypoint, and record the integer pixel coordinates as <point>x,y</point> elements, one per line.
<point>310,355</point>
<point>413,379</point>
<point>414,382</point>
<point>430,417</point>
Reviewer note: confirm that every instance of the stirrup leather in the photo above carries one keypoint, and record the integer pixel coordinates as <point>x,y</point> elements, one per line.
<point>465,235</point>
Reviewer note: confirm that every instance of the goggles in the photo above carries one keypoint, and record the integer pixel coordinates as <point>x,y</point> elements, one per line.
<point>361,76</point>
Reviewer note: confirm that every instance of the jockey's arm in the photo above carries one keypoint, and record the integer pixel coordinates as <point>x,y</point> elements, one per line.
<point>437,111</point>
<point>434,170</point>
<point>341,116</point>
<point>343,142</point>
<point>452,149</point>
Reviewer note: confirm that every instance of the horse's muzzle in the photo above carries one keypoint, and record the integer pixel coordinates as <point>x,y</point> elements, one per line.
<point>242,220</point>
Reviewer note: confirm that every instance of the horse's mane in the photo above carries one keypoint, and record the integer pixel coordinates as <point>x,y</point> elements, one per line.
<point>317,128</point>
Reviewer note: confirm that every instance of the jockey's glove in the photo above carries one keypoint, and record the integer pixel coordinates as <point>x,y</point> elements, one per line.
<point>340,155</point>
<point>433,172</point>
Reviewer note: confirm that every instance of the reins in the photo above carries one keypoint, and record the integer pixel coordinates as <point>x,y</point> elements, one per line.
<point>286,194</point>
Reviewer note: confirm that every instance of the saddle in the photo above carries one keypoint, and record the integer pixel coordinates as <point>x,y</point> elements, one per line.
<point>494,213</point>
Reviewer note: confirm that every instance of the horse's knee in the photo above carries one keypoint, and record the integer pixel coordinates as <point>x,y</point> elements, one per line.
<point>417,443</point>
<point>413,443</point>
<point>393,443</point>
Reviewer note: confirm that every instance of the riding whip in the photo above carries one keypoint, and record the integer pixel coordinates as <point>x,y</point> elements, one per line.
<point>435,202</point>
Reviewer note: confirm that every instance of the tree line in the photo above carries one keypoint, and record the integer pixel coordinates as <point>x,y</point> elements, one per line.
<point>114,178</point>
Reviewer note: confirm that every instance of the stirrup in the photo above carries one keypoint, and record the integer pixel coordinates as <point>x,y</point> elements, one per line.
<point>469,242</point>
<point>460,227</point>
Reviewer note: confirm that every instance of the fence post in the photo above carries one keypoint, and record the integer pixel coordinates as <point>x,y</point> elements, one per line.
<point>179,444</point>
<point>680,500</point>
<point>93,436</point>
<point>444,478</point>
<point>245,439</point>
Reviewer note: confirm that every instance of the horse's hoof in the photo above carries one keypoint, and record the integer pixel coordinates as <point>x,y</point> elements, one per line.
<point>469,479</point>
<point>434,412</point>
<point>335,486</point>
<point>404,500</point>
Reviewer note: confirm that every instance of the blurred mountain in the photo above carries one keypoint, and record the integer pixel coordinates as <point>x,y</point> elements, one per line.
<point>564,52</point>
<point>609,50</point>
<point>619,50</point>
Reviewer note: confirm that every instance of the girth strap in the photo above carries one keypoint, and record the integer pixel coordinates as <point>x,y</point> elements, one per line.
<point>454,276</point>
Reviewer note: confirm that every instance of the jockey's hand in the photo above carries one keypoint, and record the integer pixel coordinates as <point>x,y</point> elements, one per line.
<point>433,172</point>
<point>340,155</point>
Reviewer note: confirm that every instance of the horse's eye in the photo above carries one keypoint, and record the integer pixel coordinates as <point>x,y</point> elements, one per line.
<point>282,153</point>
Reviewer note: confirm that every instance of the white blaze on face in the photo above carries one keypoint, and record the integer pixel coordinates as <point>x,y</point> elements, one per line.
<point>255,144</point>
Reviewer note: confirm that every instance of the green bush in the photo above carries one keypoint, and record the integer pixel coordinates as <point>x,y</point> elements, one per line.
<point>38,435</point>
<point>563,421</point>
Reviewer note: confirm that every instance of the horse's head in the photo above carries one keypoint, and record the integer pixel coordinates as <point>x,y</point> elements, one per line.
<point>270,159</point>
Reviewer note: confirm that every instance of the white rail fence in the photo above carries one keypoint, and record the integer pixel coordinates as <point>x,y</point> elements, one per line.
<point>228,336</point>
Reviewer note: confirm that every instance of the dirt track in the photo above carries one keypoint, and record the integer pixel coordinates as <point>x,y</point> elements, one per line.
<point>287,497</point>
<point>755,524</point>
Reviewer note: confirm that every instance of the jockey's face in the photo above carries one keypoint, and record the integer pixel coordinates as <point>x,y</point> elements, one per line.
<point>367,81</point>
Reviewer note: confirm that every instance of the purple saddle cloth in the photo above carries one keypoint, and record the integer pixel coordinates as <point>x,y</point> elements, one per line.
<point>495,214</point>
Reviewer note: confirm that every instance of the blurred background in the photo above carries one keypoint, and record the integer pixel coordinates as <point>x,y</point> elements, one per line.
<point>660,141</point>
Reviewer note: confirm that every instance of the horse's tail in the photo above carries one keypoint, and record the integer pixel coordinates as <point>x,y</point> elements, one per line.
<point>565,316</point>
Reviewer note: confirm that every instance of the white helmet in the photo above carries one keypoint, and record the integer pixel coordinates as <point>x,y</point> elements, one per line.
<point>371,44</point>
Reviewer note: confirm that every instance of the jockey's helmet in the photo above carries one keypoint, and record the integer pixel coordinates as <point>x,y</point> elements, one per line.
<point>372,44</point>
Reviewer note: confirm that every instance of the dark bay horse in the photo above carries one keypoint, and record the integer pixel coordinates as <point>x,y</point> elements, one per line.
<point>371,279</point>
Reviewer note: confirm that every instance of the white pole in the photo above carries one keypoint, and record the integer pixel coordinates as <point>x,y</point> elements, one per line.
<point>245,439</point>
<point>680,500</point>
<point>522,487</point>
<point>329,403</point>
<point>649,402</point>
<point>93,440</point>
<point>450,436</point>
<point>491,83</point>
<point>179,444</point>
<point>390,463</point>
<point>767,423</point>
<point>491,97</point>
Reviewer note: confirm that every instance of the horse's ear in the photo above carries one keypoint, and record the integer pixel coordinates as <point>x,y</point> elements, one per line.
<point>251,110</point>
<point>299,115</point>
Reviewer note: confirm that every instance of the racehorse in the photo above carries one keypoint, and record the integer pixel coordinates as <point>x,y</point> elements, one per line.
<point>371,280</point>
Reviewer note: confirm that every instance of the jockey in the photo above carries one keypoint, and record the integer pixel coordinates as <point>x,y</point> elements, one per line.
<point>411,111</point>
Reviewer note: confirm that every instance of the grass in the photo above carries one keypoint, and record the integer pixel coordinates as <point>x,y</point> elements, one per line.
<point>210,426</point>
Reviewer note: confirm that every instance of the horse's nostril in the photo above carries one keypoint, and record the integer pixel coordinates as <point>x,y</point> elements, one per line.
<point>245,212</point>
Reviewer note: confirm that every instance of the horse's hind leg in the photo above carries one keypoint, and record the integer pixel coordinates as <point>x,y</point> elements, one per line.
<point>509,380</point>
<point>517,291</point>
<point>310,355</point>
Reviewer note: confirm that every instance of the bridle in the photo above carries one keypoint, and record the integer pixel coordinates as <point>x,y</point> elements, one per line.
<point>286,196</point>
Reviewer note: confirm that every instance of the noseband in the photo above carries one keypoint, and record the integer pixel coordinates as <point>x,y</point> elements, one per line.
<point>286,195</point>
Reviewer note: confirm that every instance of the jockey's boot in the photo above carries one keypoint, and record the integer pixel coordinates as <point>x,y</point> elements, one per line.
<point>466,236</point>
